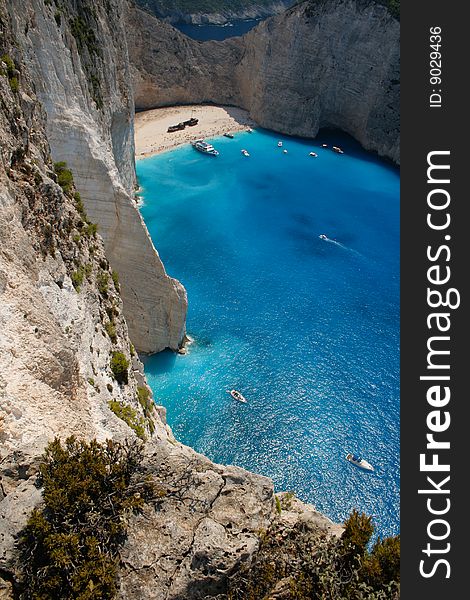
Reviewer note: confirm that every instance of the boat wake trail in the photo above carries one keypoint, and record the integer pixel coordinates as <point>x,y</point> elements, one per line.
<point>327,239</point>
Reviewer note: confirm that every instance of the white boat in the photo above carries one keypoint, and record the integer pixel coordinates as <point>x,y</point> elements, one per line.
<point>313,154</point>
<point>229,135</point>
<point>322,236</point>
<point>279,144</point>
<point>324,145</point>
<point>359,462</point>
<point>337,149</point>
<point>237,396</point>
<point>205,147</point>
<point>285,151</point>
<point>245,152</point>
<point>250,130</point>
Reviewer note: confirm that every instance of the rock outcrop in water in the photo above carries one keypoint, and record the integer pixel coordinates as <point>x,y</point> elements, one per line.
<point>62,319</point>
<point>322,63</point>
<point>77,56</point>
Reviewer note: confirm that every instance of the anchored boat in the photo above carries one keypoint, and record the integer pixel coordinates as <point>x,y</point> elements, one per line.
<point>237,396</point>
<point>359,462</point>
<point>205,148</point>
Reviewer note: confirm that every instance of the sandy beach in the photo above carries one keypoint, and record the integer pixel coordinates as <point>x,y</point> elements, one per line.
<point>151,136</point>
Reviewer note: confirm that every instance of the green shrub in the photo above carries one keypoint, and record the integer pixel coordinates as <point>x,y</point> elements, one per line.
<point>129,415</point>
<point>357,533</point>
<point>77,278</point>
<point>312,565</point>
<point>14,84</point>
<point>64,176</point>
<point>103,283</point>
<point>11,72</point>
<point>145,400</point>
<point>70,548</point>
<point>131,349</point>
<point>278,505</point>
<point>11,67</point>
<point>110,329</point>
<point>91,229</point>
<point>119,367</point>
<point>87,269</point>
<point>394,7</point>
<point>383,563</point>
<point>58,17</point>
<point>286,500</point>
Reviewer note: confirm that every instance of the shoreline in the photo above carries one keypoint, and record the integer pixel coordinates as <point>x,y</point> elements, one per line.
<point>150,126</point>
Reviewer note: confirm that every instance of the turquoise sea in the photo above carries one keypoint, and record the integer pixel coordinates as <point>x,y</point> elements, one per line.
<point>306,329</point>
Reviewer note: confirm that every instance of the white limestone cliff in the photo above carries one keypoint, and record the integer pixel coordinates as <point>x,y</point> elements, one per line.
<point>322,63</point>
<point>84,88</point>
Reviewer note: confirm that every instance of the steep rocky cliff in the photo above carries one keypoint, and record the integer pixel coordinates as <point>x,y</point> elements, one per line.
<point>322,63</point>
<point>77,55</point>
<point>217,12</point>
<point>62,325</point>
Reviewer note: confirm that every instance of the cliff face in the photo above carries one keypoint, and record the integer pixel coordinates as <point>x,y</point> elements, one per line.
<point>77,57</point>
<point>61,316</point>
<point>213,12</point>
<point>322,63</point>
<point>62,320</point>
<point>339,66</point>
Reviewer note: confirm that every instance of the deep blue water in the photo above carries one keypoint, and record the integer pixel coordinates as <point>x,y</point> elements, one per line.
<point>204,33</point>
<point>306,329</point>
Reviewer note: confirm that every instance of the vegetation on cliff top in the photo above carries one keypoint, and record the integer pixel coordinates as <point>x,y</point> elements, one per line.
<point>162,8</point>
<point>165,7</point>
<point>392,5</point>
<point>303,564</point>
<point>69,548</point>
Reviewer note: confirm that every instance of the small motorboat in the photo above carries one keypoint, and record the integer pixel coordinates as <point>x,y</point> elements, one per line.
<point>250,130</point>
<point>284,151</point>
<point>313,154</point>
<point>237,396</point>
<point>359,462</point>
<point>322,236</point>
<point>324,145</point>
<point>229,135</point>
<point>279,144</point>
<point>245,152</point>
<point>337,149</point>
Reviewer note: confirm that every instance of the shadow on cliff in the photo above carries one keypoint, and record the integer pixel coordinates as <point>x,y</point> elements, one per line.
<point>213,586</point>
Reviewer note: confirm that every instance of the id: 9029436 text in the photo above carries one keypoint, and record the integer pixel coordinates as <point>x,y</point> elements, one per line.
<point>435,67</point>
